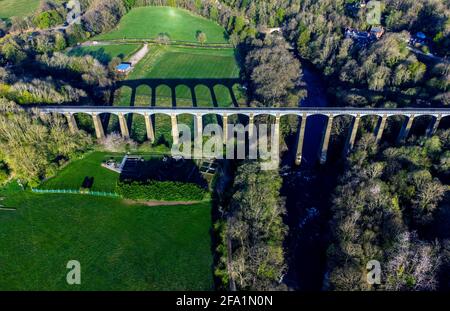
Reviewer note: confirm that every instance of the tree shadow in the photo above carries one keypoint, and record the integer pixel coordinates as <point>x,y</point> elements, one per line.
<point>87,183</point>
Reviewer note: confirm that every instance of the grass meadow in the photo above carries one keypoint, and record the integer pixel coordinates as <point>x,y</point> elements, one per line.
<point>72,176</point>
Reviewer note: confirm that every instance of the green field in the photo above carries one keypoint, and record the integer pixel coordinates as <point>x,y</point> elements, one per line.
<point>10,8</point>
<point>119,246</point>
<point>180,25</point>
<point>104,53</point>
<point>185,63</point>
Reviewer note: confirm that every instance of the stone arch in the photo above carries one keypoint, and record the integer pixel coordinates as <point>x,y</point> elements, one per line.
<point>393,127</point>
<point>368,123</point>
<point>420,124</point>
<point>188,119</point>
<point>110,122</point>
<point>136,126</point>
<point>343,114</point>
<point>444,123</point>
<point>340,131</point>
<point>84,122</point>
<point>290,122</point>
<point>163,129</point>
<point>236,119</point>
<point>143,95</point>
<point>320,114</point>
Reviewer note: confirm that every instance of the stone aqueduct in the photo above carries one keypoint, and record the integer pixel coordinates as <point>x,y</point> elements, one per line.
<point>173,112</point>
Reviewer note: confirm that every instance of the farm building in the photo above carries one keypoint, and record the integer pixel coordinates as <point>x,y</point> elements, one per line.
<point>123,68</point>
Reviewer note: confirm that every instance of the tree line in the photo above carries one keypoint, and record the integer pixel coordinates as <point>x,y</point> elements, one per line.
<point>252,232</point>
<point>392,205</point>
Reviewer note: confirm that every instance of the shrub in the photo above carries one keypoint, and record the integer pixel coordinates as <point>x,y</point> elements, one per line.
<point>4,173</point>
<point>160,191</point>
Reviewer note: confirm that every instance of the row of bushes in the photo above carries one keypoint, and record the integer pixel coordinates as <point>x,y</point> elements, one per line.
<point>160,191</point>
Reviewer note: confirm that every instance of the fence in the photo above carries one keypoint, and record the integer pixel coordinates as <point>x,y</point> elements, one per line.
<point>72,191</point>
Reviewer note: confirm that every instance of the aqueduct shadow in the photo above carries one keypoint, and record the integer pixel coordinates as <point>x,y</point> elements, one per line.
<point>210,83</point>
<point>171,86</point>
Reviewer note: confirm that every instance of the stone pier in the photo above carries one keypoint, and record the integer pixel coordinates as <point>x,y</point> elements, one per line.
<point>251,125</point>
<point>434,124</point>
<point>98,126</point>
<point>175,133</point>
<point>350,143</point>
<point>123,126</point>
<point>71,122</point>
<point>380,128</point>
<point>198,138</point>
<point>149,128</point>
<point>225,128</point>
<point>406,127</point>
<point>276,151</point>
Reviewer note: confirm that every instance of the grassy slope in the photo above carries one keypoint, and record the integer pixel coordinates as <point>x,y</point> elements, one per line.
<point>105,53</point>
<point>119,247</point>
<point>72,176</point>
<point>181,25</point>
<point>9,8</point>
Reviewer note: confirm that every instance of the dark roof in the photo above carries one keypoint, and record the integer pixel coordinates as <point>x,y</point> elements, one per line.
<point>376,29</point>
